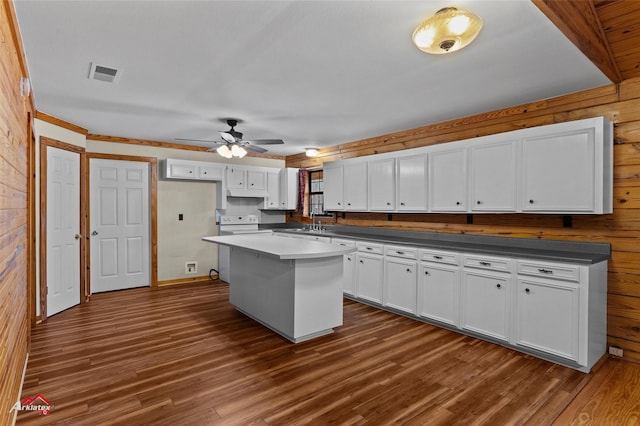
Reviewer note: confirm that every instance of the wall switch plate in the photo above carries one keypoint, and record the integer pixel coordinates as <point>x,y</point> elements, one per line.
<point>191,267</point>
<point>616,351</point>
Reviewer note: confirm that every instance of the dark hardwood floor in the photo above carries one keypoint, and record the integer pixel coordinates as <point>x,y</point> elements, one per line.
<point>183,355</point>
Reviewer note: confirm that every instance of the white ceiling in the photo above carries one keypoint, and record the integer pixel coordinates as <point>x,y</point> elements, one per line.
<point>314,73</point>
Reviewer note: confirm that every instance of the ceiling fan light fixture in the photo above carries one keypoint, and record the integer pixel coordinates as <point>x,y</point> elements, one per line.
<point>311,152</point>
<point>450,29</point>
<point>224,151</point>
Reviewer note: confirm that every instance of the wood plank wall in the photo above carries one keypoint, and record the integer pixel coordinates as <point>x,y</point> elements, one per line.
<point>14,181</point>
<point>621,104</point>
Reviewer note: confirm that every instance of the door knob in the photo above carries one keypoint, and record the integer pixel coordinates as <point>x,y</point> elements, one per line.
<point>77,236</point>
<point>94,233</point>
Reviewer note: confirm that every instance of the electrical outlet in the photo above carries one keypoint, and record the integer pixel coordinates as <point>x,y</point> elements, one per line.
<point>616,351</point>
<point>191,267</point>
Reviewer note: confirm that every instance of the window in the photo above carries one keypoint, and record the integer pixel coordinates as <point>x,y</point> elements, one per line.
<point>316,195</point>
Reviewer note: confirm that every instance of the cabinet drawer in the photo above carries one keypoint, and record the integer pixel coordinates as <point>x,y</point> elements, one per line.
<point>487,262</point>
<point>370,247</point>
<point>401,251</point>
<point>439,257</point>
<point>549,270</point>
<point>343,242</point>
<point>210,172</point>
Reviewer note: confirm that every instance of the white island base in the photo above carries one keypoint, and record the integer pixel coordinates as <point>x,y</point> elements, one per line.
<point>293,287</point>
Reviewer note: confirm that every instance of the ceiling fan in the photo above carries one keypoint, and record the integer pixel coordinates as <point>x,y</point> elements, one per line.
<point>232,143</point>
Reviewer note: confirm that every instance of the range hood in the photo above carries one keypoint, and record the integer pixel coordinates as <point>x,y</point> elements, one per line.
<point>250,193</point>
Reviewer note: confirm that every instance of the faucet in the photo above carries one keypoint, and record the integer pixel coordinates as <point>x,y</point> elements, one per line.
<point>313,221</point>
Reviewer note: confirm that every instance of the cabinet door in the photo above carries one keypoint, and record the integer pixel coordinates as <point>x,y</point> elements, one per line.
<point>256,179</point>
<point>333,177</point>
<point>439,293</point>
<point>400,284</point>
<point>182,170</point>
<point>493,177</point>
<point>548,317</point>
<point>485,304</point>
<point>349,274</point>
<point>382,185</point>
<point>558,172</point>
<point>272,200</point>
<point>210,172</point>
<point>412,183</point>
<point>236,178</point>
<point>288,188</point>
<point>448,181</point>
<point>355,186</point>
<point>369,275</point>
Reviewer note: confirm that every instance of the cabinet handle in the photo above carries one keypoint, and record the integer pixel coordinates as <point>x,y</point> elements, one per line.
<point>530,201</point>
<point>426,272</point>
<point>499,285</point>
<point>457,203</point>
<point>545,271</point>
<point>485,263</point>
<point>388,204</point>
<point>349,259</point>
<point>400,252</point>
<point>408,269</point>
<point>339,204</point>
<point>204,172</point>
<point>402,204</point>
<point>348,204</point>
<point>437,257</point>
<point>251,185</point>
<point>369,248</point>
<point>190,171</point>
<point>478,202</point>
<point>362,261</point>
<point>526,290</point>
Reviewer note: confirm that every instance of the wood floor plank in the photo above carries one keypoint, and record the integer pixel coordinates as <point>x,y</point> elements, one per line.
<point>183,355</point>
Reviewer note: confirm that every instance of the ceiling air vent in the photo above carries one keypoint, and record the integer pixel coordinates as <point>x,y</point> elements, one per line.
<point>102,73</point>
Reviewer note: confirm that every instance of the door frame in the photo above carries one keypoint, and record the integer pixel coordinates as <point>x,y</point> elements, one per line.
<point>153,205</point>
<point>46,142</point>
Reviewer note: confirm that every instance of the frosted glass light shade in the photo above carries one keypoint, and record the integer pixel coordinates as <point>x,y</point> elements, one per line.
<point>224,151</point>
<point>450,29</point>
<point>238,151</point>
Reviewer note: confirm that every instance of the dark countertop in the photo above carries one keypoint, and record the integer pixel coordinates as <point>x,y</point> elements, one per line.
<point>530,248</point>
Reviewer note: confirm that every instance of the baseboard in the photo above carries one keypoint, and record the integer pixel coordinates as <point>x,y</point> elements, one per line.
<point>190,280</point>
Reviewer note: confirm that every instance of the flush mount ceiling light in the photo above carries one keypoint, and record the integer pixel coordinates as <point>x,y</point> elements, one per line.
<point>450,29</point>
<point>311,152</point>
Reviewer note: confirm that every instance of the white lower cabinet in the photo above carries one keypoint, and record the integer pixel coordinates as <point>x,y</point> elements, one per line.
<point>554,310</point>
<point>369,272</point>
<point>348,266</point>
<point>400,278</point>
<point>547,316</point>
<point>486,296</point>
<point>439,290</point>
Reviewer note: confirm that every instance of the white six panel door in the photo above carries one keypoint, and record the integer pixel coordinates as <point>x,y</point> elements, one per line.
<point>63,230</point>
<point>119,224</point>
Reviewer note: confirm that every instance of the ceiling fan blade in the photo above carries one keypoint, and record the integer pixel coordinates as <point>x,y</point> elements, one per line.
<point>196,140</point>
<point>265,141</point>
<point>254,148</point>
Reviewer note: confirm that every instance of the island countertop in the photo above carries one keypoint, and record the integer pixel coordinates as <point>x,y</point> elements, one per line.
<point>282,248</point>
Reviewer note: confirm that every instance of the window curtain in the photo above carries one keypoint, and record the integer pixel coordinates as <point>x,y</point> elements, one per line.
<point>303,178</point>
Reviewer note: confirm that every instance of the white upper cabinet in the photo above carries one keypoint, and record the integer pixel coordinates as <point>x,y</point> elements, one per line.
<point>288,188</point>
<point>564,168</point>
<point>382,184</point>
<point>272,200</point>
<point>236,178</point>
<point>493,177</point>
<point>355,186</point>
<point>448,180</point>
<point>411,183</point>
<point>562,171</point>
<point>196,170</point>
<point>256,179</point>
<point>333,177</point>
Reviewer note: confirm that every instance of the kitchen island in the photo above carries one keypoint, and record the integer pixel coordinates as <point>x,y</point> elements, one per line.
<point>292,286</point>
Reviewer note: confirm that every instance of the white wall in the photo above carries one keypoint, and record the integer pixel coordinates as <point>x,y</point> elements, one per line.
<point>178,241</point>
